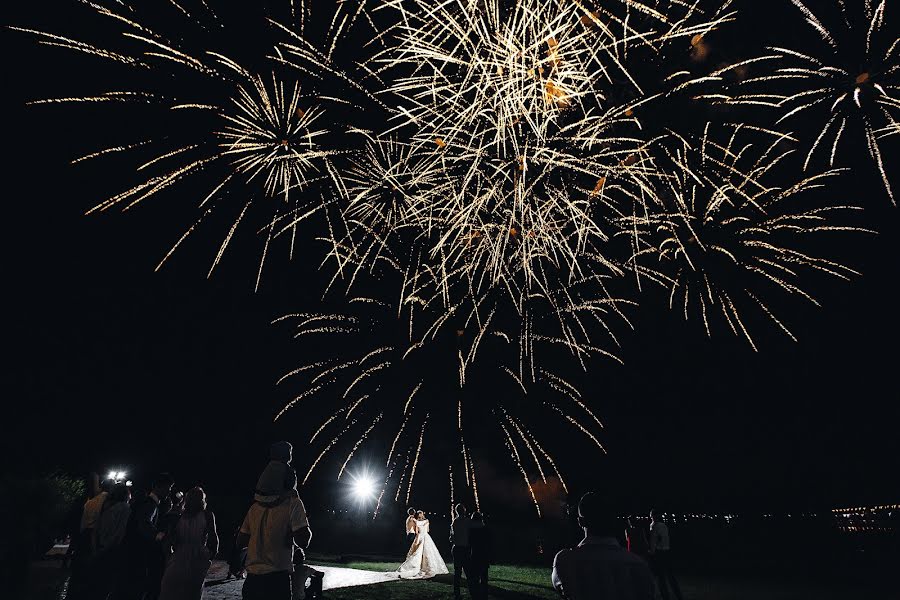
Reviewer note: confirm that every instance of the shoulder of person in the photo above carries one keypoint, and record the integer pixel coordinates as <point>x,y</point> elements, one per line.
<point>562,554</point>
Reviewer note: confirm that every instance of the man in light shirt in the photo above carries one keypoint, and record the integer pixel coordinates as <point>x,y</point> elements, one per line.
<point>93,507</point>
<point>270,532</point>
<point>660,546</point>
<point>599,568</point>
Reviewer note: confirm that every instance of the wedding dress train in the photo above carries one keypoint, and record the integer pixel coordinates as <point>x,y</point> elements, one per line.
<point>423,560</point>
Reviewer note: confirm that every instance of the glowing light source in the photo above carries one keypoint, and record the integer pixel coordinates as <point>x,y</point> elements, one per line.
<point>363,487</point>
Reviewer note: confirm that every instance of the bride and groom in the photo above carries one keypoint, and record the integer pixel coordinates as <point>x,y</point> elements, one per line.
<point>423,559</point>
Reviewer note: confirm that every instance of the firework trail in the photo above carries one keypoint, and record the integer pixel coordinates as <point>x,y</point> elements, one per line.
<point>389,399</point>
<point>725,237</point>
<point>490,183</point>
<point>516,146</point>
<point>850,88</point>
<point>260,144</point>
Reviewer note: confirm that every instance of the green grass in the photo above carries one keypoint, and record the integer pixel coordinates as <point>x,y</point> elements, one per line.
<point>506,582</point>
<point>509,582</point>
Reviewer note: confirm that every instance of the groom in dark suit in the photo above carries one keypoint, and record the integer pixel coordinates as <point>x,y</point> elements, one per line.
<point>481,546</point>
<point>459,538</point>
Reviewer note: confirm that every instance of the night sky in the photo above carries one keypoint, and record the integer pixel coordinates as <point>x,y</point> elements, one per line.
<point>109,363</point>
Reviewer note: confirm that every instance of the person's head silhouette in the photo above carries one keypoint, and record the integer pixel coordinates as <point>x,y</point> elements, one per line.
<point>162,485</point>
<point>596,516</point>
<point>461,510</point>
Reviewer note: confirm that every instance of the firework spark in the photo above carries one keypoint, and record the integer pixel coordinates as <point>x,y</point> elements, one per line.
<point>411,411</point>
<point>851,86</point>
<point>505,171</point>
<point>724,235</point>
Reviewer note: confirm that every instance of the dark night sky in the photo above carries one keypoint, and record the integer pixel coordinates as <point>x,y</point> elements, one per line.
<point>111,363</point>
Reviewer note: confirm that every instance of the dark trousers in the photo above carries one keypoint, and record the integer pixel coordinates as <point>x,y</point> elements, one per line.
<point>461,556</point>
<point>271,586</point>
<point>410,538</point>
<point>477,576</point>
<point>156,565</point>
<point>133,581</point>
<point>661,564</point>
<point>79,582</point>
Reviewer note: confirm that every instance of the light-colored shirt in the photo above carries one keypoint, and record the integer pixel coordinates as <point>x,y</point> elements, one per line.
<point>271,529</point>
<point>600,569</point>
<point>411,524</point>
<point>459,530</point>
<point>659,537</point>
<point>92,508</point>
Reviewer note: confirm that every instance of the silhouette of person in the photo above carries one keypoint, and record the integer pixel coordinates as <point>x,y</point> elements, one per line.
<point>143,551</point>
<point>481,545</point>
<point>270,532</point>
<point>636,538</point>
<point>410,526</point>
<point>599,567</point>
<point>660,547</point>
<point>195,542</point>
<point>459,540</point>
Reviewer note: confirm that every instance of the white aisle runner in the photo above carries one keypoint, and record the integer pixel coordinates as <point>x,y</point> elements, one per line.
<point>218,588</point>
<point>338,577</point>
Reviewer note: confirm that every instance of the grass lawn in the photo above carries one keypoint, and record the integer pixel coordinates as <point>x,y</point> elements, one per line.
<point>505,582</point>
<point>520,583</point>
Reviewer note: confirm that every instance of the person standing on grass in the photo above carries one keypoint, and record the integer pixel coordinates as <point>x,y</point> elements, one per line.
<point>459,540</point>
<point>271,532</point>
<point>195,542</point>
<point>599,568</point>
<point>83,544</point>
<point>106,569</point>
<point>660,546</point>
<point>410,526</point>
<point>481,546</point>
<point>143,543</point>
<point>636,538</point>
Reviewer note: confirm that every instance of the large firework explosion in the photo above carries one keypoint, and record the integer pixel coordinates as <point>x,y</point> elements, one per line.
<point>374,374</point>
<point>510,173</point>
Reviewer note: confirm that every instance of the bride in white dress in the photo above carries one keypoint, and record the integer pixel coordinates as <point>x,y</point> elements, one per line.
<point>423,560</point>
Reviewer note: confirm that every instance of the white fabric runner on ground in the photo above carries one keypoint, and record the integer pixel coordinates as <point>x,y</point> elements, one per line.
<point>338,577</point>
<point>218,588</point>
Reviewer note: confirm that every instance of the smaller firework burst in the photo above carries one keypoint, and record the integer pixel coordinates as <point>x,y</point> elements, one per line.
<point>850,87</point>
<point>381,385</point>
<point>722,239</point>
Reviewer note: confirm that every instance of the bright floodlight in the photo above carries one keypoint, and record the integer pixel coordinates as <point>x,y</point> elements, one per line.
<point>111,475</point>
<point>363,488</point>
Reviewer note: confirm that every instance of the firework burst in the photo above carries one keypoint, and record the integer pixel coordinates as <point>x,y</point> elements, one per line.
<point>507,175</point>
<point>508,104</point>
<point>850,87</point>
<point>259,145</point>
<point>416,390</point>
<point>722,235</point>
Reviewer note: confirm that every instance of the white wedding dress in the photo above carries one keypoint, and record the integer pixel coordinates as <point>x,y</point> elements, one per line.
<point>423,560</point>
